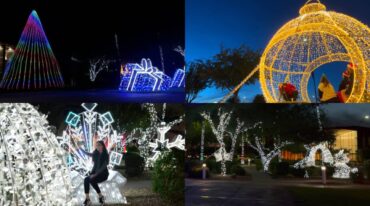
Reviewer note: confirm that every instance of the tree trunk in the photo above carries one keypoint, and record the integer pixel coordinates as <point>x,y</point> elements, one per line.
<point>235,98</point>
<point>223,167</point>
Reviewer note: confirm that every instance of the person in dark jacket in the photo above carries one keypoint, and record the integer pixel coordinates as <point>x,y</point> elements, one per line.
<point>99,172</point>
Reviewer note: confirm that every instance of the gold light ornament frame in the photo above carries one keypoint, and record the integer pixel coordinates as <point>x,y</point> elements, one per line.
<point>317,37</point>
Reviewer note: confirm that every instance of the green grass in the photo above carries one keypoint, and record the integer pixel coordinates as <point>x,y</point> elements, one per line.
<point>324,197</point>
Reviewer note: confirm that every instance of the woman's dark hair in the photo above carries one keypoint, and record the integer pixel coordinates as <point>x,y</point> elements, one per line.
<point>105,151</point>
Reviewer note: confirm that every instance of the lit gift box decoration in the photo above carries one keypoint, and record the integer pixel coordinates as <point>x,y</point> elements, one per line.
<point>178,80</point>
<point>143,77</point>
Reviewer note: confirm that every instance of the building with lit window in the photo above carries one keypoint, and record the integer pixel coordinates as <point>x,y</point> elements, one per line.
<point>6,52</point>
<point>354,140</point>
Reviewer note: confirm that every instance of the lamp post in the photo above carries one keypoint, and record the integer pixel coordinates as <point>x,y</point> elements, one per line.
<point>204,171</point>
<point>323,171</point>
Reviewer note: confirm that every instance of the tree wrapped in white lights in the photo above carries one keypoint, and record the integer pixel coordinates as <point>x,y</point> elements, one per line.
<point>82,133</point>
<point>158,125</point>
<point>266,154</point>
<point>234,136</point>
<point>220,132</point>
<point>97,66</point>
<point>33,170</point>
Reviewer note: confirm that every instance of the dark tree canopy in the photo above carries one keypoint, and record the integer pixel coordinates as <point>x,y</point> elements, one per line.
<point>197,79</point>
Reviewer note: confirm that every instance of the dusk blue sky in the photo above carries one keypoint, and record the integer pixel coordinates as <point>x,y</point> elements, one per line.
<point>231,23</point>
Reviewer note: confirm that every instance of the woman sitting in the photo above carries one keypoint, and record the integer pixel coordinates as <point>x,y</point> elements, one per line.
<point>327,92</point>
<point>99,173</point>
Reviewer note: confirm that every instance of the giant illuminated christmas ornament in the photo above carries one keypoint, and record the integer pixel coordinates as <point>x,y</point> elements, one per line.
<point>33,65</point>
<point>33,170</point>
<point>82,133</point>
<point>178,80</point>
<point>143,77</point>
<point>160,143</point>
<point>315,38</point>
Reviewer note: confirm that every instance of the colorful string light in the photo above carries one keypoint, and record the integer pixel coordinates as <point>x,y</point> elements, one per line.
<point>33,65</point>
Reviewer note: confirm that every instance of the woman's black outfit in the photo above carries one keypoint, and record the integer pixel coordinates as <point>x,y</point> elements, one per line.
<point>100,170</point>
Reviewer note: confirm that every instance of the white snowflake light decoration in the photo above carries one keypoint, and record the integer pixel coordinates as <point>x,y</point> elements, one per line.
<point>161,144</point>
<point>86,129</point>
<point>33,170</point>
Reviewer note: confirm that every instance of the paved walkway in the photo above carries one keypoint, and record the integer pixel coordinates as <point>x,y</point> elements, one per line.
<point>261,190</point>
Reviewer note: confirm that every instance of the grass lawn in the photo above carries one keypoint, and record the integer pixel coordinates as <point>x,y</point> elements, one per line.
<point>323,196</point>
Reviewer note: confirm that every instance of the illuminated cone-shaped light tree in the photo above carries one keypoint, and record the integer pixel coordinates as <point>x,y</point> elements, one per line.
<point>32,166</point>
<point>33,65</point>
<point>81,134</point>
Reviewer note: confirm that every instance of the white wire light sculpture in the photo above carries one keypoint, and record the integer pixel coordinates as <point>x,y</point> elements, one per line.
<point>33,168</point>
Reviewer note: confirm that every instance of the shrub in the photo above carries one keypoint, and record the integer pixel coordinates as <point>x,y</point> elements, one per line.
<point>132,148</point>
<point>282,169</point>
<point>134,164</point>
<point>366,170</point>
<point>168,177</point>
<point>358,177</point>
<point>297,172</point>
<point>237,170</point>
<point>258,163</point>
<point>213,166</point>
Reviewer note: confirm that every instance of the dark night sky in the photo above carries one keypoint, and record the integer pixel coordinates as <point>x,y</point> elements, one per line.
<point>212,23</point>
<point>86,29</point>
